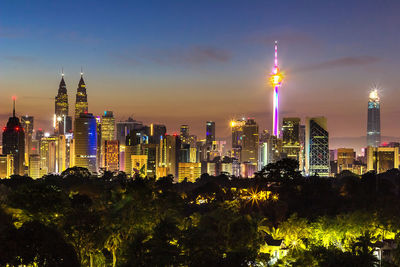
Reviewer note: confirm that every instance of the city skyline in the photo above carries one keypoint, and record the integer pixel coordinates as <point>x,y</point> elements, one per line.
<point>184,78</point>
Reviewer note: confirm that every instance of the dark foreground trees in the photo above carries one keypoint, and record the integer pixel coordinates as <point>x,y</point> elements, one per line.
<point>78,220</point>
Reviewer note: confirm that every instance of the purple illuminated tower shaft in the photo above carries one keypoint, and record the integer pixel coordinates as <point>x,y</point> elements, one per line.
<point>276,111</point>
<point>276,80</point>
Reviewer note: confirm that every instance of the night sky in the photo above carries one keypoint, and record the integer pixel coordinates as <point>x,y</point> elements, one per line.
<point>186,62</point>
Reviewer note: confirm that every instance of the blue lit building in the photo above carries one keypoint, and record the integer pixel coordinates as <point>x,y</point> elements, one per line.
<point>374,120</point>
<point>85,144</point>
<point>210,133</point>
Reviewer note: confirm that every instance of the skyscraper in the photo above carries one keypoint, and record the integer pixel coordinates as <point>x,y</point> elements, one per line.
<point>157,132</point>
<point>107,126</point>
<point>6,166</point>
<point>124,129</point>
<point>291,137</point>
<point>81,104</point>
<point>345,159</point>
<point>85,141</point>
<point>317,147</point>
<point>210,133</point>
<point>250,142</point>
<point>184,134</point>
<point>276,81</point>
<point>14,142</point>
<point>237,135</point>
<point>111,155</point>
<point>48,155</point>
<point>27,124</point>
<point>374,120</point>
<point>169,155</point>
<point>62,122</point>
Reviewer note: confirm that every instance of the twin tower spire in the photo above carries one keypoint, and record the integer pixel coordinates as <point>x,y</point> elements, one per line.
<point>61,100</point>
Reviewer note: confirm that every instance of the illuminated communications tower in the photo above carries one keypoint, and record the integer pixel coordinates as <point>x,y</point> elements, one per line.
<point>374,120</point>
<point>276,81</point>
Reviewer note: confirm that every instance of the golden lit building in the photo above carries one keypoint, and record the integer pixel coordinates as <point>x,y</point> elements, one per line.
<point>250,142</point>
<point>291,138</point>
<point>189,170</point>
<point>34,166</point>
<point>6,166</point>
<point>111,155</point>
<point>345,159</point>
<point>48,155</point>
<point>85,142</point>
<point>382,159</point>
<point>139,165</point>
<point>169,154</point>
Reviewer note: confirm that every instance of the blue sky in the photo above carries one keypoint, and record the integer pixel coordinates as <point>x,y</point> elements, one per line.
<point>178,62</point>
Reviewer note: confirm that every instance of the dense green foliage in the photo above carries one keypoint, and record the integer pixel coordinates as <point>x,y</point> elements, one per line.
<point>77,220</point>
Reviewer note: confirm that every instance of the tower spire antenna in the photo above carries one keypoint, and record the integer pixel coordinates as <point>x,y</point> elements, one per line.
<point>276,55</point>
<point>13,98</point>
<point>62,71</point>
<point>81,71</point>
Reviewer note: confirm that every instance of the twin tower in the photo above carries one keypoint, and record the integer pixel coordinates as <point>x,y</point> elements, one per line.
<point>62,120</point>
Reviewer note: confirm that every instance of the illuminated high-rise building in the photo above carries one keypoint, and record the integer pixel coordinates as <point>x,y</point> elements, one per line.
<point>237,135</point>
<point>81,104</point>
<point>49,155</point>
<point>345,159</point>
<point>169,155</point>
<point>124,129</point>
<point>62,122</point>
<point>291,138</point>
<point>374,120</point>
<point>184,134</point>
<point>27,124</point>
<point>250,142</point>
<point>152,152</point>
<point>34,166</point>
<point>382,159</point>
<point>139,165</point>
<point>276,81</point>
<point>157,132</point>
<point>14,142</point>
<point>317,147</point>
<point>85,142</point>
<point>133,146</point>
<point>190,171</point>
<point>107,126</point>
<point>210,133</point>
<point>111,155</point>
<point>6,166</point>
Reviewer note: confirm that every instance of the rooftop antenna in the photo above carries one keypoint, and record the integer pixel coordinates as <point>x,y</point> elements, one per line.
<point>13,98</point>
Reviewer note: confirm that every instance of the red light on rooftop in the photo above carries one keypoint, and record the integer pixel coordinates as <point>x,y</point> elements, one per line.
<point>17,129</point>
<point>14,97</point>
<point>4,129</point>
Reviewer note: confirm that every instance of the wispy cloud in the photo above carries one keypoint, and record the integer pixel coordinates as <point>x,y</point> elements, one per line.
<point>20,59</point>
<point>340,62</point>
<point>196,55</point>
<point>193,56</point>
